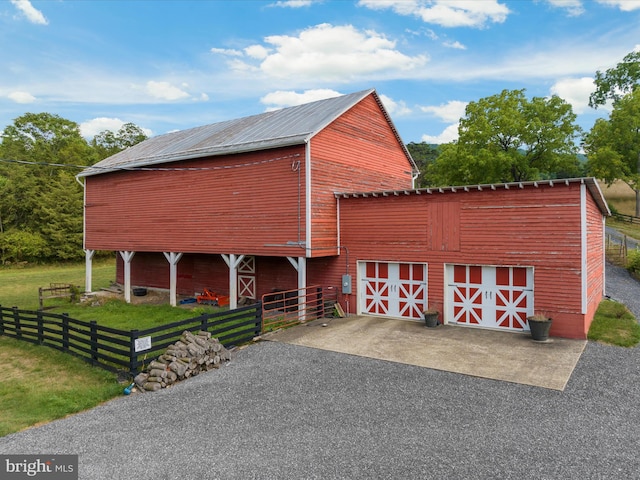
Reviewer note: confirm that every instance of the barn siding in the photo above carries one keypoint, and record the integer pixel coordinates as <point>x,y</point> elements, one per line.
<point>245,204</point>
<point>539,227</point>
<point>595,261</point>
<point>248,203</point>
<point>356,152</point>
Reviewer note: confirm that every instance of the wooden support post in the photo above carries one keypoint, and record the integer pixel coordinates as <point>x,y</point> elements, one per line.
<point>88,270</point>
<point>127,257</point>
<point>173,258</point>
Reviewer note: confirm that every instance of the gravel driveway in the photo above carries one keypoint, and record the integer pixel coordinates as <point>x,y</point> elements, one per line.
<point>286,411</point>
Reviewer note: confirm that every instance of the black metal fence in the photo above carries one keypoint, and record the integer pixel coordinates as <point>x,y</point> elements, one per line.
<point>125,350</point>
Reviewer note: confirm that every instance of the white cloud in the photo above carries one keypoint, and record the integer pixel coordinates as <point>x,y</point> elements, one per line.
<point>446,13</point>
<point>575,91</point>
<point>282,99</point>
<point>449,134</point>
<point>456,45</point>
<point>573,7</point>
<point>91,128</point>
<point>292,3</point>
<point>165,91</point>
<point>21,97</point>
<point>33,15</point>
<point>451,111</point>
<point>395,109</point>
<point>333,53</point>
<point>257,51</point>
<point>624,5</point>
<point>227,51</point>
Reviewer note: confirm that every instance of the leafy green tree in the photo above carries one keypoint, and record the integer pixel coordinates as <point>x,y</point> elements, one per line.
<point>40,197</point>
<point>423,154</point>
<point>108,143</point>
<point>613,145</point>
<point>506,137</point>
<point>616,82</point>
<point>40,200</point>
<point>45,138</point>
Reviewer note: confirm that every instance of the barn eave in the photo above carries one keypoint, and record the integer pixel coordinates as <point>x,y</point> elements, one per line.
<point>590,182</point>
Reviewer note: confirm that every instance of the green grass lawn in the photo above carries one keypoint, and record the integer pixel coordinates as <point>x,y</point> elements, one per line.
<point>27,394</point>
<point>19,285</point>
<point>630,229</point>
<point>30,396</point>
<point>614,325</point>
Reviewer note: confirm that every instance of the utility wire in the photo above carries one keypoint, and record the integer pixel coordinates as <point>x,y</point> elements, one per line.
<point>147,169</point>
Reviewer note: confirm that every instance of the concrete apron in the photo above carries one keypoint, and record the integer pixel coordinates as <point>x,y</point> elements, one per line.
<point>506,356</point>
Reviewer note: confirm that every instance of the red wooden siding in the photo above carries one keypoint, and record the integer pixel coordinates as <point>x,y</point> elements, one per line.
<point>357,152</point>
<point>595,261</point>
<point>536,227</point>
<point>248,203</point>
<point>241,203</point>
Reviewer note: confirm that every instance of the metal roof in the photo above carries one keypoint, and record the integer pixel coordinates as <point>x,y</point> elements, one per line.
<point>279,128</point>
<point>590,182</point>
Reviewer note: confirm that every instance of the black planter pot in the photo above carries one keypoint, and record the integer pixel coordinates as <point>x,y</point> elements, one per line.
<point>539,329</point>
<point>430,319</point>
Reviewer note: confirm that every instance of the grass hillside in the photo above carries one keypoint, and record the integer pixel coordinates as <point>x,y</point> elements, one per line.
<point>619,196</point>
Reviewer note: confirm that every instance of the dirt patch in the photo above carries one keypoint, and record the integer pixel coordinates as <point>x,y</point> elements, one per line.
<point>152,297</point>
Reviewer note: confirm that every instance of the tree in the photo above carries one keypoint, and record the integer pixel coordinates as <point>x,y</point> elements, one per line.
<point>107,143</point>
<point>616,82</point>
<point>506,138</point>
<point>613,146</point>
<point>41,204</point>
<point>423,154</point>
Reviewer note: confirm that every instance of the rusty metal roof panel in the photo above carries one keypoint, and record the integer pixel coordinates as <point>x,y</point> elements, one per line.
<point>278,128</point>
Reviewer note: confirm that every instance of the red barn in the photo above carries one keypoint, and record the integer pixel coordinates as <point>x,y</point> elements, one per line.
<point>323,194</point>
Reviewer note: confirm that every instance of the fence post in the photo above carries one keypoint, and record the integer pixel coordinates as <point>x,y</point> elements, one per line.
<point>1,321</point>
<point>319,302</point>
<point>16,320</point>
<point>94,342</point>
<point>204,323</point>
<point>65,331</point>
<point>40,327</point>
<point>133,356</point>
<point>259,325</point>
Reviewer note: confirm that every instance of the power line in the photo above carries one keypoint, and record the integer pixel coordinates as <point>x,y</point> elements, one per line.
<point>147,169</point>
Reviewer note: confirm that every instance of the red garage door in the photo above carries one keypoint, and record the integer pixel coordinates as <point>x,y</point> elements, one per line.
<point>492,297</point>
<point>393,289</point>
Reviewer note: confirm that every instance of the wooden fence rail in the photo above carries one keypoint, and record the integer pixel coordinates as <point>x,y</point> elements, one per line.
<point>626,218</point>
<point>124,350</point>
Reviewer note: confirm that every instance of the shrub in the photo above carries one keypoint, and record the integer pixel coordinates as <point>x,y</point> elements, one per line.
<point>633,261</point>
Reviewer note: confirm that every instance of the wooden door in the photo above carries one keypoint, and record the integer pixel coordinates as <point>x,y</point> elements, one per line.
<point>393,289</point>
<point>492,297</point>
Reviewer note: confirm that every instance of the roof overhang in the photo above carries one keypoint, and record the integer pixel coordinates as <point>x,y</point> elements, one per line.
<point>590,182</point>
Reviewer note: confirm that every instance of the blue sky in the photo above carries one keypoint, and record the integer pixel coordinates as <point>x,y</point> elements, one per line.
<point>169,65</point>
